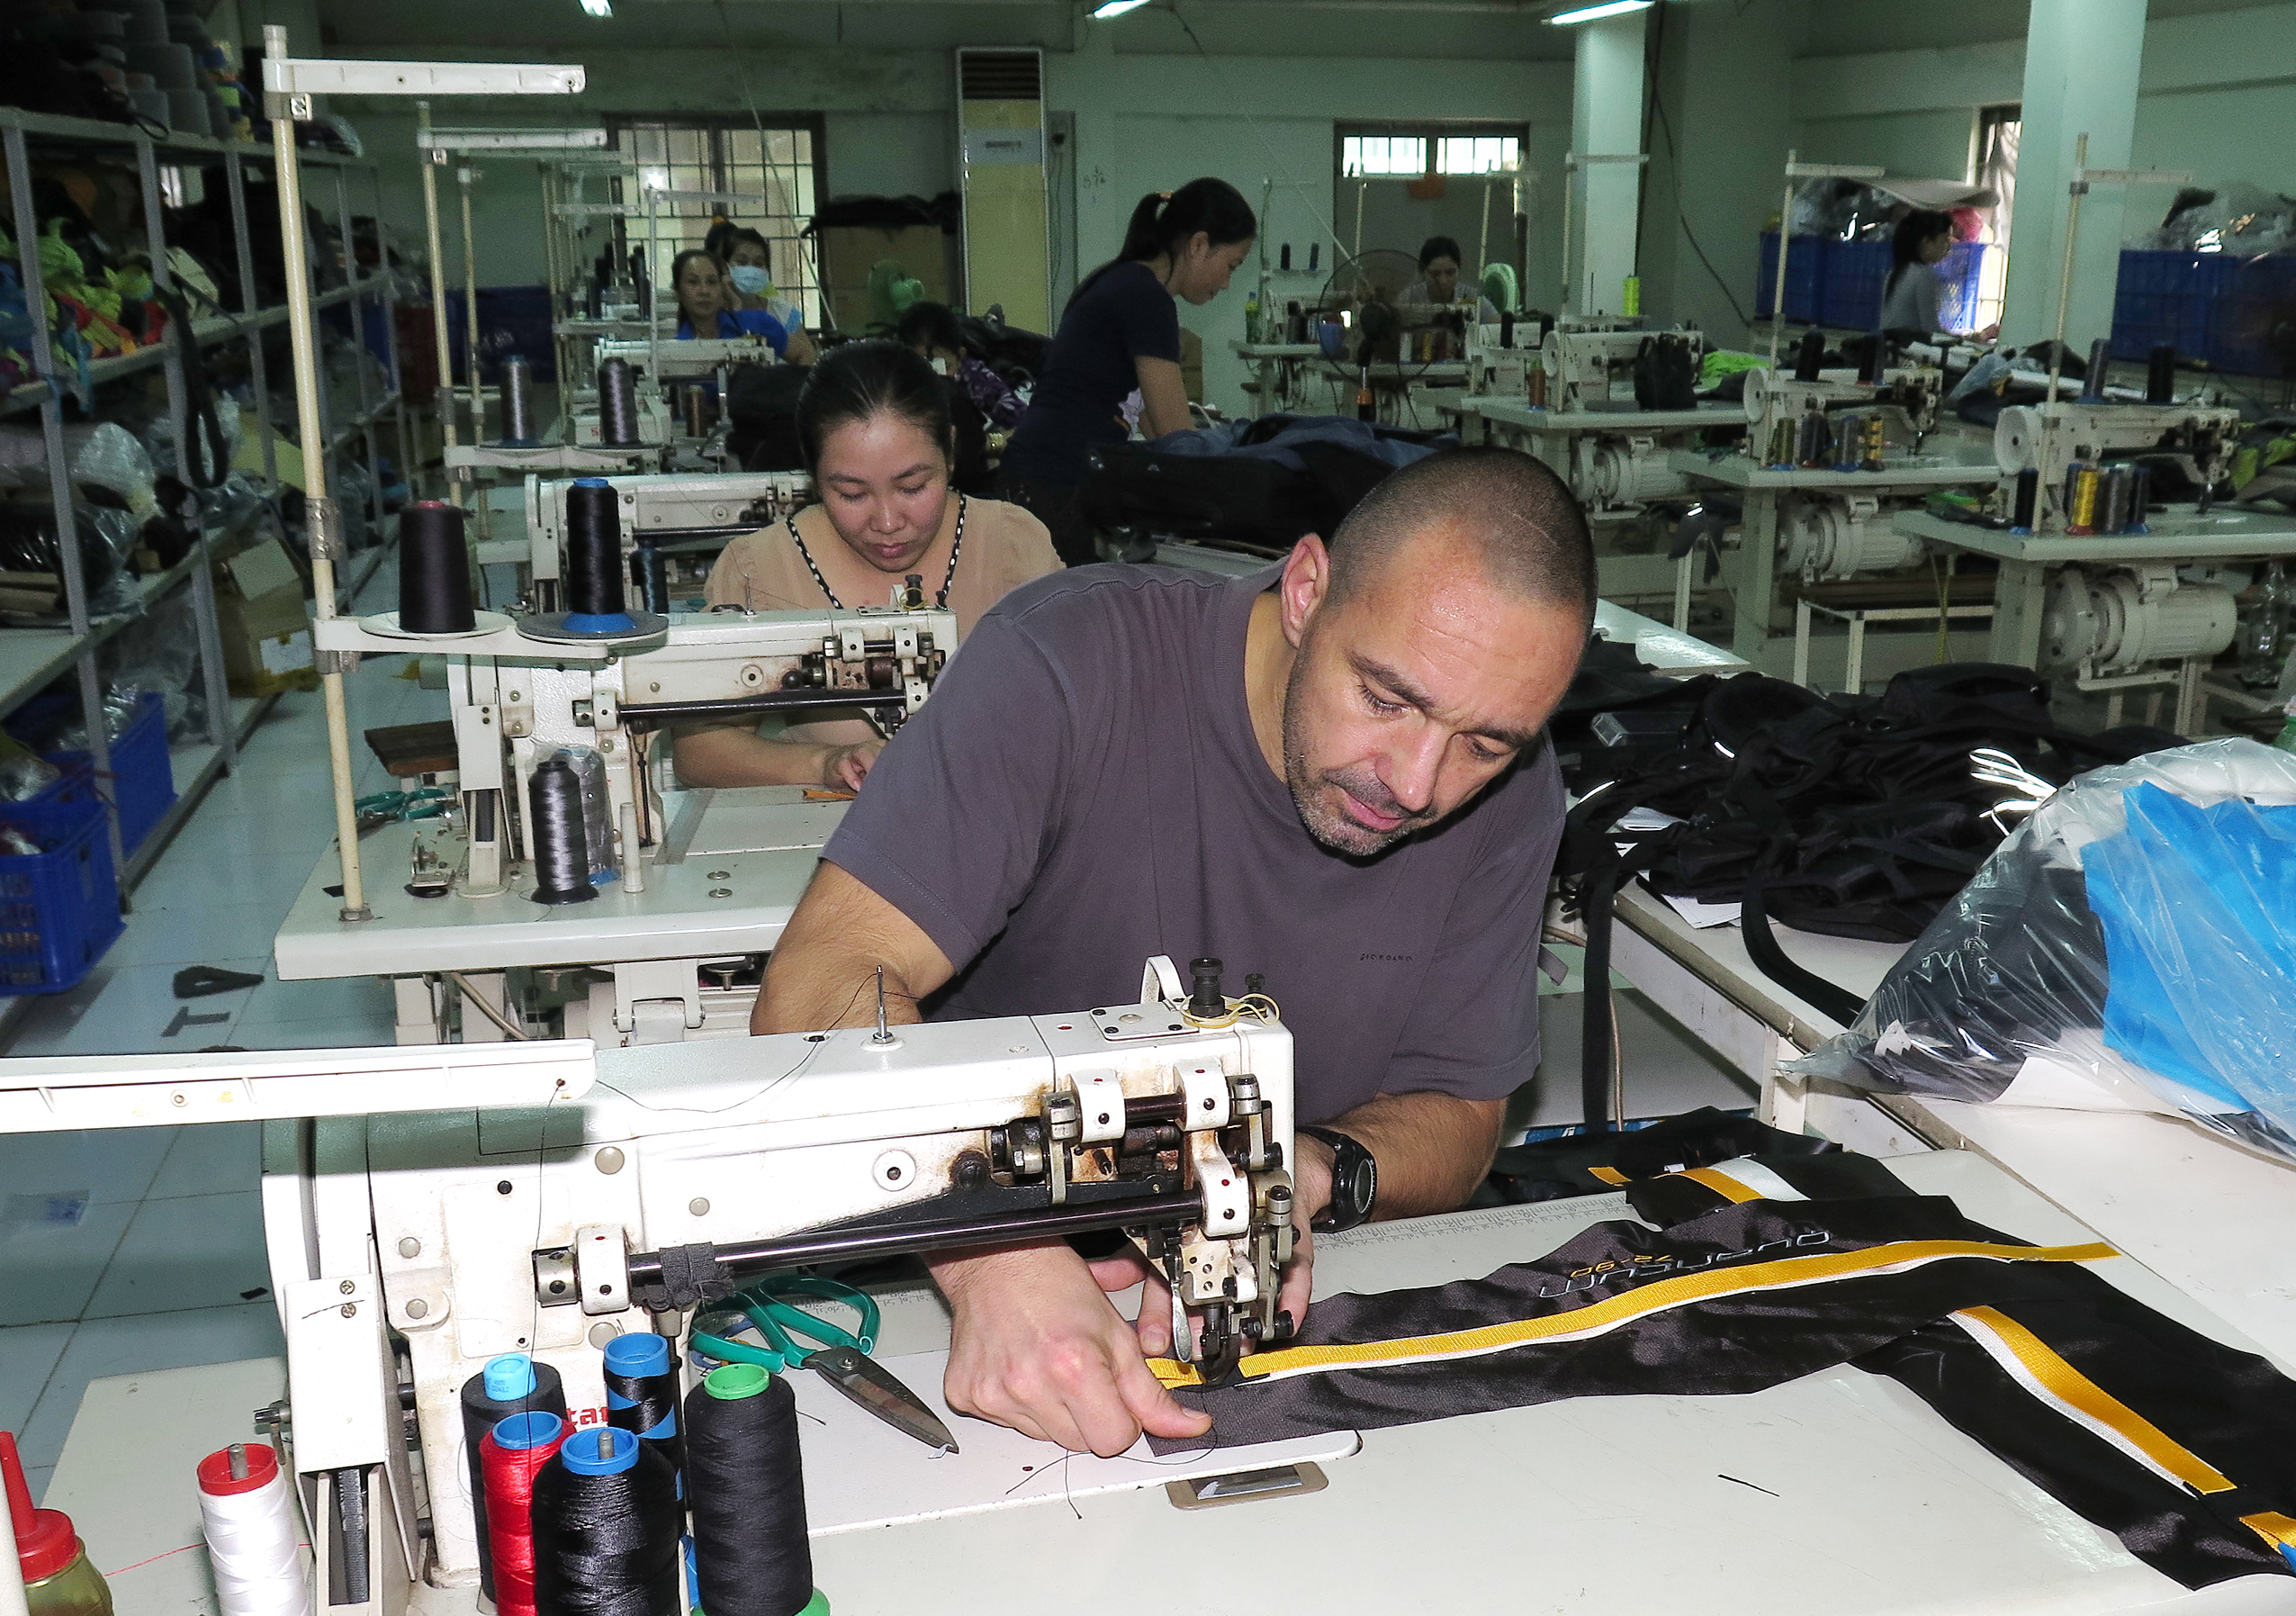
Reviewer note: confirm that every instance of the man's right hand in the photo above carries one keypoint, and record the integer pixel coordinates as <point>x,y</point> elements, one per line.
<point>1036,1345</point>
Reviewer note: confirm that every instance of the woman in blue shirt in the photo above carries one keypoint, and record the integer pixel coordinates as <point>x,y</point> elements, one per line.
<point>1121,330</point>
<point>707,307</point>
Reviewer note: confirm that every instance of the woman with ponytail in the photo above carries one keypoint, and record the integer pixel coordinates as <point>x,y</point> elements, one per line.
<point>1122,331</point>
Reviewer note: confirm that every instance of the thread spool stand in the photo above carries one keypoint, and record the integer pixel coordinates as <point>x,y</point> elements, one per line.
<point>434,580</point>
<point>597,606</point>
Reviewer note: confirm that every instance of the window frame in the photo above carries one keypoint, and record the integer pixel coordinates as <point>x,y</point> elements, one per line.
<point>807,293</point>
<point>1434,131</point>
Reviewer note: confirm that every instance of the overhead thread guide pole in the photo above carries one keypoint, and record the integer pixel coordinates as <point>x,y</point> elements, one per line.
<point>322,520</point>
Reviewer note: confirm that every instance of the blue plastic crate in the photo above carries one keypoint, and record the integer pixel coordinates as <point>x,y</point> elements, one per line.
<point>1849,297</point>
<point>60,908</point>
<point>2167,297</point>
<point>2253,331</point>
<point>1805,270</point>
<point>1961,277</point>
<point>143,780</point>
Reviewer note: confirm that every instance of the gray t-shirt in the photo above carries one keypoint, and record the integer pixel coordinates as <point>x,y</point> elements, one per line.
<point>1912,303</point>
<point>1084,791</point>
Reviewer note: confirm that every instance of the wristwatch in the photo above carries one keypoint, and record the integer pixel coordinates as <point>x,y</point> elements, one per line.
<point>1354,1182</point>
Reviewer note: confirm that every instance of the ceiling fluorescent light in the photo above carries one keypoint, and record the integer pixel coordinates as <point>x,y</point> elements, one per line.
<point>598,8</point>
<point>1587,14</point>
<point>1115,8</point>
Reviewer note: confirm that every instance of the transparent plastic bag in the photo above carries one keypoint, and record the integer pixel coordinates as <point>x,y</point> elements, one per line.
<point>112,458</point>
<point>2132,945</point>
<point>104,456</point>
<point>24,774</point>
<point>598,823</point>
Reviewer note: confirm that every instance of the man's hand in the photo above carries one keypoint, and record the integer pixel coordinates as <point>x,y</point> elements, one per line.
<point>843,768</point>
<point>1036,1346</point>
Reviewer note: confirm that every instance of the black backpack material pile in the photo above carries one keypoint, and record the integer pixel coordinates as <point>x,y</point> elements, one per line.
<point>1255,499</point>
<point>1849,815</point>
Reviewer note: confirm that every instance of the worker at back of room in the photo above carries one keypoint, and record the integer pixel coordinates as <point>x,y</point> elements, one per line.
<point>708,306</point>
<point>1120,331</point>
<point>874,425</point>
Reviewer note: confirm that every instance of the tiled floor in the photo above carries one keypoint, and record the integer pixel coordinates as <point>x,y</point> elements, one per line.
<point>142,1249</point>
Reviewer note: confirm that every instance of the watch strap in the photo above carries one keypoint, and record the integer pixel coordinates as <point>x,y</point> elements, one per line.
<point>1348,1154</point>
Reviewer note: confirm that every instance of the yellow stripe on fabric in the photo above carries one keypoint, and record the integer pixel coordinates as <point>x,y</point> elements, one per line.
<point>1608,1175</point>
<point>2077,1390</point>
<point>1654,1297</point>
<point>1720,1182</point>
<point>2273,1528</point>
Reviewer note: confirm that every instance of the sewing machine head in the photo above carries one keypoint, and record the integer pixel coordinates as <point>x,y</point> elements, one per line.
<point>1594,368</point>
<point>659,509</point>
<point>1777,403</point>
<point>2197,439</point>
<point>689,1169</point>
<point>511,715</point>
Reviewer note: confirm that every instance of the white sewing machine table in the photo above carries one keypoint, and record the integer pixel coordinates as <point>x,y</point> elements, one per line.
<point>729,866</point>
<point>1514,415</point>
<point>1838,1494</point>
<point>2205,1214</point>
<point>1956,462</point>
<point>2179,537</point>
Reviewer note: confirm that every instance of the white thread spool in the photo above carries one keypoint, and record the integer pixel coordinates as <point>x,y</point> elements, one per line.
<point>254,1533</point>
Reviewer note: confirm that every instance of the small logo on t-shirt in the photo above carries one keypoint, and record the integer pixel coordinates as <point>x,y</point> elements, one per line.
<point>1395,959</point>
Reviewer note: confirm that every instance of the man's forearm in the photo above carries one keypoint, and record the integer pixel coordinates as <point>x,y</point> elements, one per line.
<point>729,757</point>
<point>1432,1149</point>
<point>823,972</point>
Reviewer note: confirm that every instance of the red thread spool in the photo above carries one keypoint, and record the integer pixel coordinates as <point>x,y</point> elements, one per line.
<point>510,1456</point>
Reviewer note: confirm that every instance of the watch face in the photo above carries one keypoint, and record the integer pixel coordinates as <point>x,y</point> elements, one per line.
<point>1359,1190</point>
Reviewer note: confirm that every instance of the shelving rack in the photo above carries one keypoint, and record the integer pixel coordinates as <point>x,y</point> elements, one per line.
<point>30,658</point>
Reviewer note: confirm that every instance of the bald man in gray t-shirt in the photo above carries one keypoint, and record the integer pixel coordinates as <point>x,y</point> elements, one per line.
<point>1332,775</point>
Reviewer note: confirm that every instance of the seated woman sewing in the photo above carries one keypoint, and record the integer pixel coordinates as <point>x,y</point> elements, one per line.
<point>707,306</point>
<point>874,425</point>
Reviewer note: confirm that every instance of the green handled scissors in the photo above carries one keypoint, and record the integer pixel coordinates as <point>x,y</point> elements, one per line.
<point>843,1358</point>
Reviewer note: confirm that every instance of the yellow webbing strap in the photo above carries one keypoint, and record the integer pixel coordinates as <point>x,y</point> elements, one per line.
<point>2075,1390</point>
<point>1720,1182</point>
<point>1655,1296</point>
<point>1608,1175</point>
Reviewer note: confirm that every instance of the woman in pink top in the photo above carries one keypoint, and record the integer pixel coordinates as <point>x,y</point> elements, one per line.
<point>873,421</point>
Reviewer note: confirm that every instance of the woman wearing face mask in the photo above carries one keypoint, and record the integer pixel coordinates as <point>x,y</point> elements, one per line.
<point>874,425</point>
<point>707,307</point>
<point>748,272</point>
<point>1121,330</point>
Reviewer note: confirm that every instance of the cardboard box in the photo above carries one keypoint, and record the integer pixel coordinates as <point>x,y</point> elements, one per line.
<point>264,621</point>
<point>849,251</point>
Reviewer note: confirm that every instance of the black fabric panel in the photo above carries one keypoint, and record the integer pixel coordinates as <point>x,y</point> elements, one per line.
<point>1730,1344</point>
<point>2230,1408</point>
<point>1839,1175</point>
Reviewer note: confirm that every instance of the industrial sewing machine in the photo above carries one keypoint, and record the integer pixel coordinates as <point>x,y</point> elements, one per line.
<point>514,712</point>
<point>427,1210</point>
<point>2053,439</point>
<point>628,972</point>
<point>1595,369</point>
<point>673,398</point>
<point>661,514</point>
<point>1782,413</point>
<point>409,1248</point>
<point>2114,626</point>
